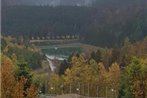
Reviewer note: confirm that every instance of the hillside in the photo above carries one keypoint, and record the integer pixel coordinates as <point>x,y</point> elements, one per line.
<point>101,26</point>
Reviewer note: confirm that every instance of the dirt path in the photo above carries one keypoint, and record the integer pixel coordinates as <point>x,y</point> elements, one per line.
<point>70,96</point>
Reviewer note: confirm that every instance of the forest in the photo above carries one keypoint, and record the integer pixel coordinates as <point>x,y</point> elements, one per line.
<point>120,71</point>
<point>112,62</point>
<point>104,26</point>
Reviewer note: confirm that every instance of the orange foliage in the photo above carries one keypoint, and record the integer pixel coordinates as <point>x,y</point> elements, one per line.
<point>18,89</point>
<point>32,92</point>
<point>10,87</point>
<point>7,78</point>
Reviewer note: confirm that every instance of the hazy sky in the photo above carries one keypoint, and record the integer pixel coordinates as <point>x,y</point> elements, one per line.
<point>47,2</point>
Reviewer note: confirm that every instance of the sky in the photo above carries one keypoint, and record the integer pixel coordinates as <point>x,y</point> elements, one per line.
<point>47,2</point>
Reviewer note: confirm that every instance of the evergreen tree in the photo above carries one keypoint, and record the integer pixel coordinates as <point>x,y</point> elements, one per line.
<point>135,79</point>
<point>23,71</point>
<point>64,65</point>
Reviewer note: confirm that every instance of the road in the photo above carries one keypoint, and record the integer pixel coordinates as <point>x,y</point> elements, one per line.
<point>69,96</point>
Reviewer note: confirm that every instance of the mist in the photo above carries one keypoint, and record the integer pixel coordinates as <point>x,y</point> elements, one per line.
<point>48,2</point>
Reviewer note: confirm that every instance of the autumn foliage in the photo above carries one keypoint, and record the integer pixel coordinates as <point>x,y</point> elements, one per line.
<point>10,86</point>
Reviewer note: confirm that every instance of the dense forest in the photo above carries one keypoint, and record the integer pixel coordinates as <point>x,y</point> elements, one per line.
<point>105,25</point>
<point>120,71</point>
